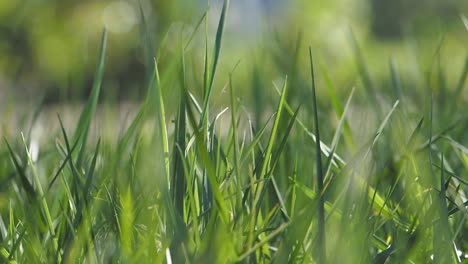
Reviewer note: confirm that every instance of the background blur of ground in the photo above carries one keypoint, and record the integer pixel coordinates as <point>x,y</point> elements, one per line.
<point>48,49</point>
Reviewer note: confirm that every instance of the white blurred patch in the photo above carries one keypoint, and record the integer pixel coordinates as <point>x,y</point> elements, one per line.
<point>34,149</point>
<point>119,17</point>
<point>168,256</point>
<point>465,21</point>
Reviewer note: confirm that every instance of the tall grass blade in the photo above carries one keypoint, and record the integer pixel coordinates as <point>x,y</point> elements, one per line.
<point>217,50</point>
<point>210,169</point>
<point>40,192</point>
<point>178,183</point>
<point>318,163</point>
<point>84,123</point>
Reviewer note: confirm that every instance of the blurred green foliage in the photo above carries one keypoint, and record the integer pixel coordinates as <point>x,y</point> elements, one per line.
<point>48,47</point>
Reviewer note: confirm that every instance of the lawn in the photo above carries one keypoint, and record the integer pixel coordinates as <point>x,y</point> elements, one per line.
<point>210,168</point>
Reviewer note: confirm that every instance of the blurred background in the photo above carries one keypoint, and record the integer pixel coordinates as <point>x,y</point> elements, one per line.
<point>49,48</point>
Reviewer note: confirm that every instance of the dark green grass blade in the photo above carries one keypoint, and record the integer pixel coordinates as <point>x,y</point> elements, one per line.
<point>178,184</point>
<point>74,171</point>
<point>284,140</point>
<point>21,172</point>
<point>276,159</point>
<point>442,237</point>
<point>68,158</point>
<point>84,123</point>
<point>318,163</point>
<point>337,160</point>
<point>191,197</point>
<point>255,141</point>
<point>217,50</point>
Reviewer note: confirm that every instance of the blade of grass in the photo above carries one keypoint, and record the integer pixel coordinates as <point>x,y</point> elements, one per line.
<point>318,163</point>
<point>336,138</point>
<point>325,149</point>
<point>235,143</point>
<point>265,240</point>
<point>265,163</point>
<point>45,206</point>
<point>210,170</point>
<point>84,122</point>
<point>217,50</point>
<point>178,184</point>
<point>21,172</point>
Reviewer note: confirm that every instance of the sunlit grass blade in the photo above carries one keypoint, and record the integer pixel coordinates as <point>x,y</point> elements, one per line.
<point>284,140</point>
<point>259,244</point>
<point>335,140</point>
<point>41,194</point>
<point>271,142</point>
<point>265,163</point>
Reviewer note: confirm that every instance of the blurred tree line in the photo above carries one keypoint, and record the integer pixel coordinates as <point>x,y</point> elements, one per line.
<point>50,47</point>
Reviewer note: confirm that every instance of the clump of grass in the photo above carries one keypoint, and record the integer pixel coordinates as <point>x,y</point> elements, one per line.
<point>260,193</point>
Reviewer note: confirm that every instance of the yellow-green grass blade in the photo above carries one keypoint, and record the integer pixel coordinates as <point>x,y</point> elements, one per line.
<point>42,197</point>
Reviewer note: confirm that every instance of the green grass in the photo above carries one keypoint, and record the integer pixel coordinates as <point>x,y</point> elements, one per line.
<point>369,177</point>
